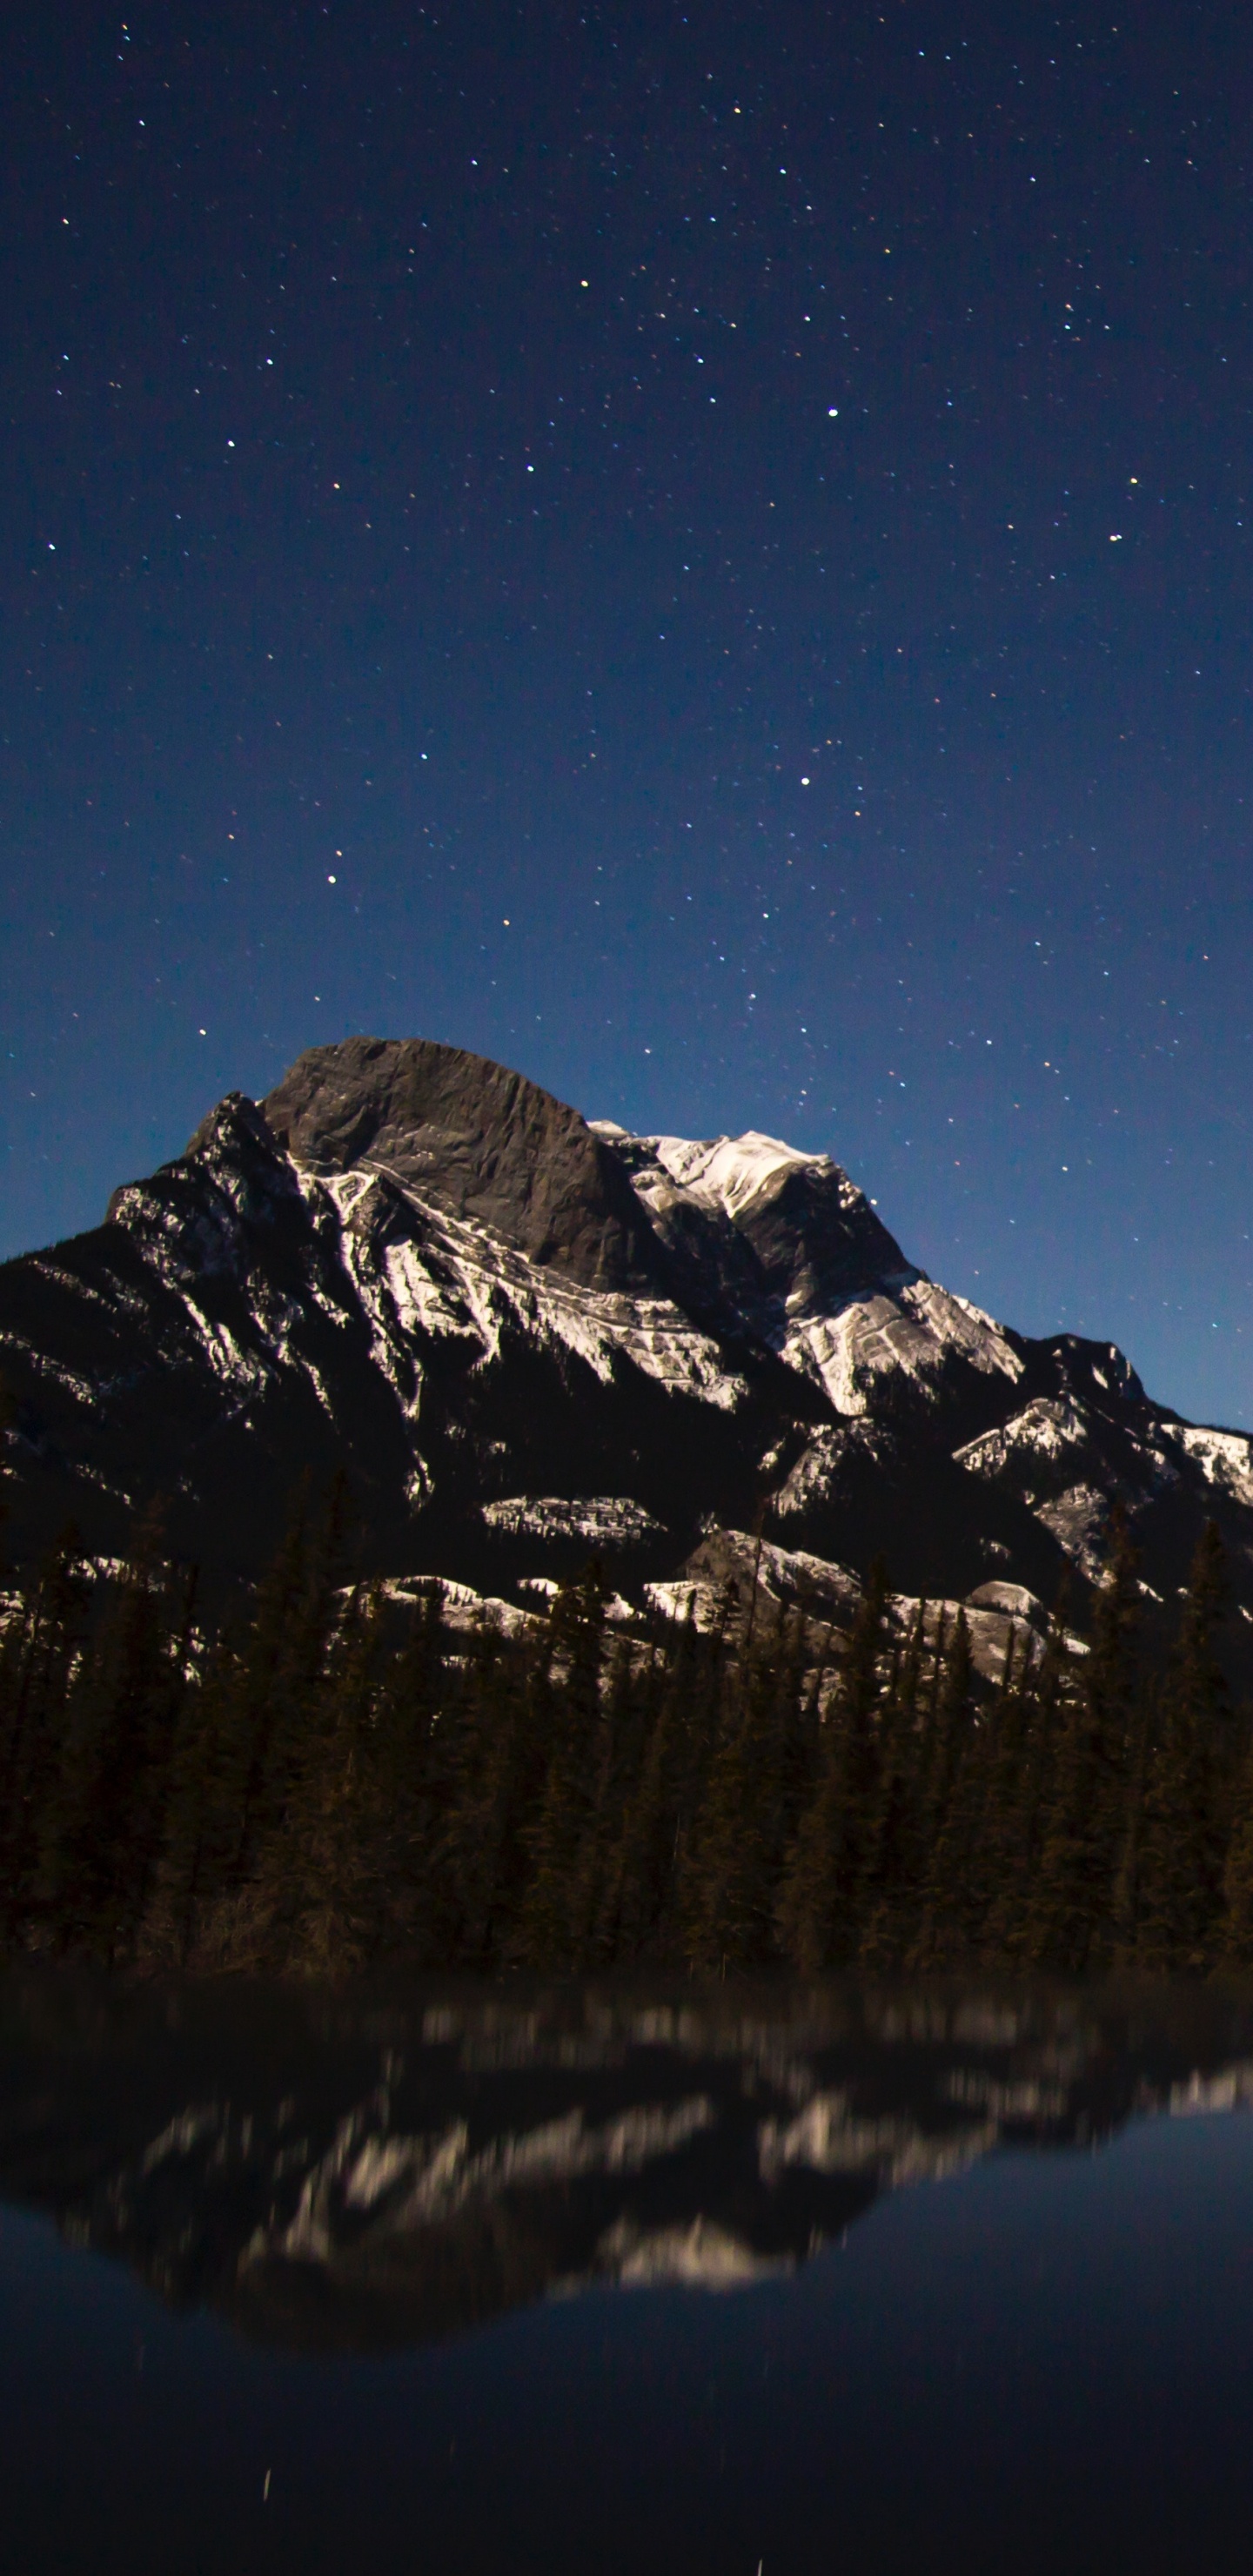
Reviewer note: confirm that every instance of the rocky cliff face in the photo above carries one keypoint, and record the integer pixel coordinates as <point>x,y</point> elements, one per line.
<point>478,1142</point>
<point>520,1334</point>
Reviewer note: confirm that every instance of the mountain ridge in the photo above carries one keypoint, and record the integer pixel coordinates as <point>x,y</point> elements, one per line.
<point>415,1267</point>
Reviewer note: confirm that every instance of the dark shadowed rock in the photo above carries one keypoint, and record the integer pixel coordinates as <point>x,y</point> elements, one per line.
<point>479,1140</point>
<point>818,1239</point>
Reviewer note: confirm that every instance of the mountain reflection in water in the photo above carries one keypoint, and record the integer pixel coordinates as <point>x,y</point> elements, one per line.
<point>367,2172</point>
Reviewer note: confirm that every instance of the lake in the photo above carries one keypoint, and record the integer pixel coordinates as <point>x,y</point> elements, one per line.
<point>853,2276</point>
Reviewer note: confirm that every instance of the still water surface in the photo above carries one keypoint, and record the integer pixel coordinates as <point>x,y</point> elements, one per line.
<point>851,2277</point>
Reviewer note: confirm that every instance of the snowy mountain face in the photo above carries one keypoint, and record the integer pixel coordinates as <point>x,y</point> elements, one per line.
<point>523,1336</point>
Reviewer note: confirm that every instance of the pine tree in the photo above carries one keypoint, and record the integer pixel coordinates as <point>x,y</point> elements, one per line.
<point>648,1882</point>
<point>756,1786</point>
<point>616,1758</point>
<point>492,1744</point>
<point>41,1648</point>
<point>1046,1687</point>
<point>200,1826</point>
<point>1131,1879</point>
<point>894,1878</point>
<point>322,1875</point>
<point>280,1673</point>
<point>567,1805</point>
<point>930,1734</point>
<point>104,1830</point>
<point>1236,1934</point>
<point>1011,1816</point>
<point>408,1720</point>
<point>1073,1910</point>
<point>950,1806</point>
<point>1189,1783</point>
<point>262,1715</point>
<point>637,1882</point>
<point>823,1896</point>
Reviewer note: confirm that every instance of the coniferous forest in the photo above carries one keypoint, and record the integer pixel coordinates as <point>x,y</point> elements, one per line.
<point>313,1779</point>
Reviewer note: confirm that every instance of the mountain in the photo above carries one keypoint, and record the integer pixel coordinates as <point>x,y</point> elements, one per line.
<point>522,1334</point>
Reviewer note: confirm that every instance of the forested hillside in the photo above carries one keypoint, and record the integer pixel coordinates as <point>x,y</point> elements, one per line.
<point>322,1776</point>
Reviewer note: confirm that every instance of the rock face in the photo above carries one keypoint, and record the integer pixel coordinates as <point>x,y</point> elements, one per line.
<point>477,1141</point>
<point>521,1335</point>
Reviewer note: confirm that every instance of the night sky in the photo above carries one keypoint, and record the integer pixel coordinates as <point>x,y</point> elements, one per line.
<point>704,553</point>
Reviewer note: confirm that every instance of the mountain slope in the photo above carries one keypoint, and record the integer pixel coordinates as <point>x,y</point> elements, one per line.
<point>520,1334</point>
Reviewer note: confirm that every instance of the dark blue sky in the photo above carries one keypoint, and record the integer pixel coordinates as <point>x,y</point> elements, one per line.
<point>705,553</point>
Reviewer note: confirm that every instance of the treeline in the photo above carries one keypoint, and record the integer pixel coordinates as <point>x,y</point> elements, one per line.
<point>314,1783</point>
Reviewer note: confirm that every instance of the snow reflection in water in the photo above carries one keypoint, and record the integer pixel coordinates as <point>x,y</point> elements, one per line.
<point>389,2168</point>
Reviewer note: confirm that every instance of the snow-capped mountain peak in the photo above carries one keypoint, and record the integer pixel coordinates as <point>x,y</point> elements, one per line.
<point>513,1328</point>
<point>730,1172</point>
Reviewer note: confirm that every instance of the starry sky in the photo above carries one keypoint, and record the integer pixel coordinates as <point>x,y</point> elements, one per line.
<point>702,551</point>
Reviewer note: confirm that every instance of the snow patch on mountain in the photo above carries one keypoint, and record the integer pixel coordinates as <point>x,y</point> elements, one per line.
<point>598,1518</point>
<point>1079,1521</point>
<point>463,1608</point>
<point>782,1574</point>
<point>686,1599</point>
<point>1013,1599</point>
<point>230,1362</point>
<point>619,1612</point>
<point>916,1330</point>
<point>729,1172</point>
<point>1225,1458</point>
<point>958,1324</point>
<point>1045,1432</point>
<point>818,1471</point>
<point>785,1578</point>
<point>990,1624</point>
<point>84,1389</point>
<point>452,1277</point>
